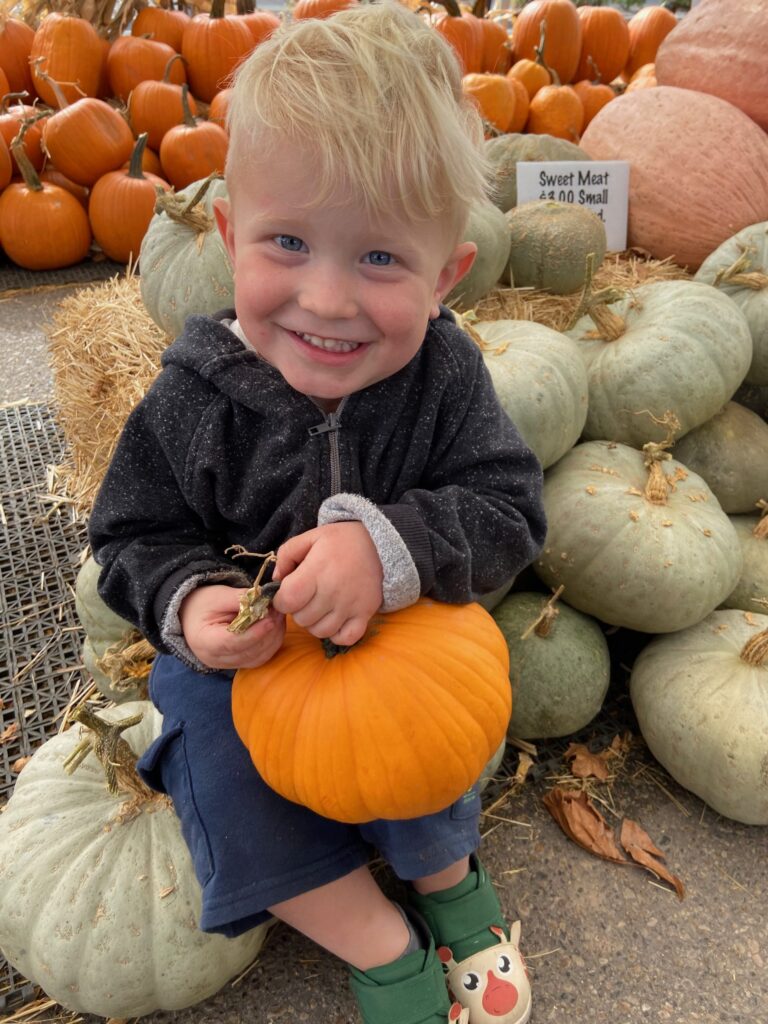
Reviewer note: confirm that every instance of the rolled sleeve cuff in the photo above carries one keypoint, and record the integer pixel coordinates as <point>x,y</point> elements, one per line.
<point>401,585</point>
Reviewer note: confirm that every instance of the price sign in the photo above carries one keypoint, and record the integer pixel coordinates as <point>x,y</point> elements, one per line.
<point>600,185</point>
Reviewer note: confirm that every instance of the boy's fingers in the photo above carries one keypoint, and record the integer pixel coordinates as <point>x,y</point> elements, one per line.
<point>292,554</point>
<point>296,592</point>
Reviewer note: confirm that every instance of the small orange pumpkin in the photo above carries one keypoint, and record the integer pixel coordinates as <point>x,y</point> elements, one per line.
<point>12,117</point>
<point>154,107</point>
<point>70,51</point>
<point>261,24</point>
<point>604,41</point>
<point>16,39</point>
<point>643,78</point>
<point>493,96</point>
<point>219,108</point>
<point>161,24</point>
<point>133,60</point>
<point>593,96</point>
<point>213,45</point>
<point>398,726</point>
<point>465,34</point>
<point>6,167</point>
<point>556,110</point>
<point>522,103</point>
<point>497,47</point>
<point>192,150</point>
<point>532,74</point>
<point>320,8</point>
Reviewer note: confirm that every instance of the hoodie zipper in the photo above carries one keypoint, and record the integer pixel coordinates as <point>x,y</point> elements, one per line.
<point>331,425</point>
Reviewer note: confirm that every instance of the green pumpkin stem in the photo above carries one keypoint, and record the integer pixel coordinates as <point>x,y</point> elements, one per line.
<point>755,650</point>
<point>189,118</point>
<point>113,752</point>
<point>135,170</point>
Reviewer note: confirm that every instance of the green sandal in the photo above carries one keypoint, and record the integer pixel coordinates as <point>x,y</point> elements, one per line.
<point>411,990</point>
<point>485,970</point>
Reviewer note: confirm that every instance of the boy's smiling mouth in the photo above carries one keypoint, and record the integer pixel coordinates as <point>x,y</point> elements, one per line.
<point>328,344</point>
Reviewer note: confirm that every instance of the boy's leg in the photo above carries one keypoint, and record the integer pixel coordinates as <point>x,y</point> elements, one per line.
<point>396,974</point>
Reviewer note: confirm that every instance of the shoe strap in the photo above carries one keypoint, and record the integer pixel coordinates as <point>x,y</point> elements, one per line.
<point>462,918</point>
<point>420,999</point>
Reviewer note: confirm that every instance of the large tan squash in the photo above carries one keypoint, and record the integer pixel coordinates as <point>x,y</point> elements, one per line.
<point>720,48</point>
<point>699,168</point>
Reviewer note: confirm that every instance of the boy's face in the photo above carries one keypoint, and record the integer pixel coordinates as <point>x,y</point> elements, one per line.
<point>331,299</point>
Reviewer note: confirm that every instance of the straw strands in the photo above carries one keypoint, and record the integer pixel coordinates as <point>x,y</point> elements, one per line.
<point>105,352</point>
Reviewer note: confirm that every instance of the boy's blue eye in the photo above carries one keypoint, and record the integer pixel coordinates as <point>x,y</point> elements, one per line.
<point>289,242</point>
<point>378,258</point>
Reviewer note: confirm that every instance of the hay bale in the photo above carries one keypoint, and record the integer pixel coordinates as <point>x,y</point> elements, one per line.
<point>624,270</point>
<point>105,352</point>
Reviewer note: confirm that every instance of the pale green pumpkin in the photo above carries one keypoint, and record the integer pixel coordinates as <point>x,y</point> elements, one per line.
<point>669,346</point>
<point>559,666</point>
<point>541,382</point>
<point>647,549</point>
<point>103,630</point>
<point>730,451</point>
<point>488,229</point>
<point>739,267</point>
<point>183,265</point>
<point>553,245</point>
<point>751,590</point>
<point>505,152</point>
<point>98,899</point>
<point>701,700</point>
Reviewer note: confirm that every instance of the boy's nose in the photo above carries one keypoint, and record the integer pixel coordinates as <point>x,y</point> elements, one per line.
<point>328,295</point>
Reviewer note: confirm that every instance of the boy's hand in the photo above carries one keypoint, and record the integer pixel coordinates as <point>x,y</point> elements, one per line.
<point>205,614</point>
<point>331,579</point>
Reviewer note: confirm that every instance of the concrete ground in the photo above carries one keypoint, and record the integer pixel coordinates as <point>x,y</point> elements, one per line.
<point>604,943</point>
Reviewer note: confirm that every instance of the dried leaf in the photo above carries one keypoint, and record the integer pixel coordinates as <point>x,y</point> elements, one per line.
<point>641,849</point>
<point>585,764</point>
<point>582,822</point>
<point>19,763</point>
<point>9,732</point>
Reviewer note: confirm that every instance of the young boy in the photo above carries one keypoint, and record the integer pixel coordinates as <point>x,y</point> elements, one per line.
<point>339,417</point>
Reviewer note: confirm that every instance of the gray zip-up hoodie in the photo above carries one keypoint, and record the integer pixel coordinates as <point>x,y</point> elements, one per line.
<point>222,451</point>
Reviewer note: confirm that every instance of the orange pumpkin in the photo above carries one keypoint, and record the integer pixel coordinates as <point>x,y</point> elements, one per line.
<point>261,24</point>
<point>16,39</point>
<point>320,8</point>
<point>43,227</point>
<point>55,177</point>
<point>12,117</point>
<point>6,167</point>
<point>643,78</point>
<point>493,97</point>
<point>593,96</point>
<point>121,206</point>
<point>87,138</point>
<point>465,34</point>
<point>133,60</point>
<point>4,85</point>
<point>162,24</point>
<point>522,103</point>
<point>562,45</point>
<point>155,107</point>
<point>532,74</point>
<point>219,108</point>
<point>69,51</point>
<point>192,150</point>
<point>647,30</point>
<point>497,48</point>
<point>604,42</point>
<point>399,726</point>
<point>556,110</point>
<point>213,45</point>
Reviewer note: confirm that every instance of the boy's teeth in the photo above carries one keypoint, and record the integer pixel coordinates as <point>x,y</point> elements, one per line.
<point>329,344</point>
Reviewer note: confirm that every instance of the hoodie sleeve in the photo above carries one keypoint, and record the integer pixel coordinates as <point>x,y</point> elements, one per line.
<point>151,545</point>
<point>477,519</point>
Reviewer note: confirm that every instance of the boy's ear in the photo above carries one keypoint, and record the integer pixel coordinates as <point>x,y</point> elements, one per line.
<point>222,211</point>
<point>458,264</point>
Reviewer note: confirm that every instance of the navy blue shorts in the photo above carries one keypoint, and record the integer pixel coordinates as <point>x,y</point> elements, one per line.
<point>252,848</point>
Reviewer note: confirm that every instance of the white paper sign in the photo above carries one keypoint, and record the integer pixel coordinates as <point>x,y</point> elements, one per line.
<point>600,185</point>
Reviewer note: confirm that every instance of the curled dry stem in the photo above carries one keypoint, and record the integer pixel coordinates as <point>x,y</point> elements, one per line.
<point>654,453</point>
<point>255,602</point>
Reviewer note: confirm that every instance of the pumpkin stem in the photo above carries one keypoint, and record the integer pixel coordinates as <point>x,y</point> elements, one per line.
<point>245,7</point>
<point>217,9</point>
<point>189,118</point>
<point>542,626</point>
<point>167,71</point>
<point>480,8</point>
<point>598,78</point>
<point>28,172</point>
<point>188,212</point>
<point>7,97</point>
<point>136,170</point>
<point>255,602</point>
<point>761,530</point>
<point>61,99</point>
<point>114,753</point>
<point>451,7</point>
<point>655,452</point>
<point>739,273</point>
<point>755,650</point>
<point>610,325</point>
<point>539,51</point>
<point>127,661</point>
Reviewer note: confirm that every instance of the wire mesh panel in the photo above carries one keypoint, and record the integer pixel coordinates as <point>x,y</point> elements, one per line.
<point>41,635</point>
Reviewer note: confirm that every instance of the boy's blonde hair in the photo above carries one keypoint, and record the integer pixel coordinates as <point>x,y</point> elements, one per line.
<point>374,93</point>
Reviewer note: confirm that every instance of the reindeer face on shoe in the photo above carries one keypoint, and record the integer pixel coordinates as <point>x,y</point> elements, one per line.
<point>492,983</point>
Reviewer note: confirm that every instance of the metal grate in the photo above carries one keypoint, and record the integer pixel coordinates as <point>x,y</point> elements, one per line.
<point>13,277</point>
<point>41,635</point>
